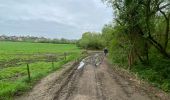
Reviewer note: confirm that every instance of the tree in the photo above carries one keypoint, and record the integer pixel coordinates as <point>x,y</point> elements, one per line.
<point>91,40</point>
<point>138,20</point>
<point>107,33</point>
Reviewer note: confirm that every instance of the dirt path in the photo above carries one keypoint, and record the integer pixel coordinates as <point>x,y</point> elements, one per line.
<point>90,82</point>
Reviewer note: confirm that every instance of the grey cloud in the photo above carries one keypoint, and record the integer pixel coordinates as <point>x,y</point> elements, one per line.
<point>52,18</point>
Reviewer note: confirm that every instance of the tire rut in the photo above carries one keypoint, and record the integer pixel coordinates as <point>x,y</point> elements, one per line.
<point>67,86</point>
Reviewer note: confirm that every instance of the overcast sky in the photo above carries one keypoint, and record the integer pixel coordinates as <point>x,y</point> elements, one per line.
<point>53,18</point>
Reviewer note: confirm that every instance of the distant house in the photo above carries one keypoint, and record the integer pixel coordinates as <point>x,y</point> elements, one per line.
<point>20,39</point>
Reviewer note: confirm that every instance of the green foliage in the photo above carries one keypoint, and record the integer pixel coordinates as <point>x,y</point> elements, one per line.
<point>157,72</point>
<point>91,41</point>
<point>107,34</point>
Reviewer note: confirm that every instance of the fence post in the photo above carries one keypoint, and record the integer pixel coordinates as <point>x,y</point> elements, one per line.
<point>65,55</point>
<point>53,65</point>
<point>28,70</point>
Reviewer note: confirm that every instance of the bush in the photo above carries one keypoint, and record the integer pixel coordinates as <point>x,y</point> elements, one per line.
<point>91,41</point>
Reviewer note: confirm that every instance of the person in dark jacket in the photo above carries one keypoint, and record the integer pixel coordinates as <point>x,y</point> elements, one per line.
<point>105,51</point>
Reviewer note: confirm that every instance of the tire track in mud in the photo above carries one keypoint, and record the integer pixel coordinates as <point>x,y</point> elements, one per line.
<point>96,83</point>
<point>73,88</point>
<point>67,86</point>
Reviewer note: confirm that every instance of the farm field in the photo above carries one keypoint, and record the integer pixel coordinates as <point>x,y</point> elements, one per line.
<point>11,50</point>
<point>42,59</point>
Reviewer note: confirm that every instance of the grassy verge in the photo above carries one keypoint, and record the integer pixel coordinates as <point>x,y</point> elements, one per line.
<point>14,80</point>
<point>156,73</point>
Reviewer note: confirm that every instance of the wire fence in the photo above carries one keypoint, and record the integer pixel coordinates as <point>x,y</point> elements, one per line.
<point>32,58</point>
<point>49,58</point>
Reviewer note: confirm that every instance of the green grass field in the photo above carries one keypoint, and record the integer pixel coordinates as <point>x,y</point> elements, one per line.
<point>11,50</point>
<point>15,55</point>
